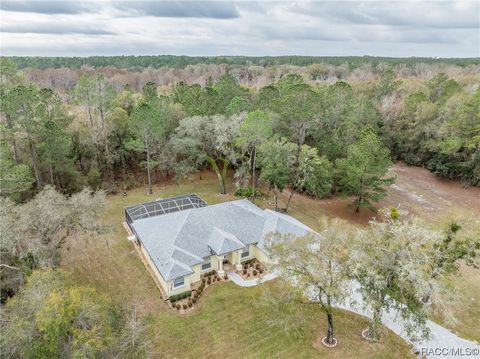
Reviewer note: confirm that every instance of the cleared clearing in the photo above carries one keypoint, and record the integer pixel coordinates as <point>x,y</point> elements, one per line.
<point>226,322</point>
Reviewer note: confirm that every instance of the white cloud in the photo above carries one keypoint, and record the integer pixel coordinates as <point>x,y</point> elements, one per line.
<point>407,28</point>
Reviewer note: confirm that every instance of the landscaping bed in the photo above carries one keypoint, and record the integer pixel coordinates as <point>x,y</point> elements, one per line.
<point>185,302</point>
<point>252,269</point>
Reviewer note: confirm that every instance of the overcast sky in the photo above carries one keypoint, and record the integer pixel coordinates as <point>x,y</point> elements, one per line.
<point>324,28</point>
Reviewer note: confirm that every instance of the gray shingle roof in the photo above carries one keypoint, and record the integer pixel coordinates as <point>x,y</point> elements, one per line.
<point>177,241</point>
<point>222,242</point>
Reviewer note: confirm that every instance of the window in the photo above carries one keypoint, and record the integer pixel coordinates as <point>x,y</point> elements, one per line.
<point>207,264</point>
<point>245,252</point>
<point>178,282</point>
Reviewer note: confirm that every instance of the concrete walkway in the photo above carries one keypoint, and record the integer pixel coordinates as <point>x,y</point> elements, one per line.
<point>250,282</point>
<point>441,344</point>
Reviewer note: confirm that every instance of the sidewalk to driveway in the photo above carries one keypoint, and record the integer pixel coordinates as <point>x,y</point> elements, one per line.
<point>442,343</point>
<point>250,282</point>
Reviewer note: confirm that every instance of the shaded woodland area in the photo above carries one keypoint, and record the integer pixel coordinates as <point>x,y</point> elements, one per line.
<point>71,127</point>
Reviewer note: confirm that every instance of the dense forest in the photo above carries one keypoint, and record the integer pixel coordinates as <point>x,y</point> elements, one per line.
<point>135,62</point>
<point>103,127</point>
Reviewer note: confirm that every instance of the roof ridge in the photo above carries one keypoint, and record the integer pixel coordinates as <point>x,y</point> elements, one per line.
<point>188,212</point>
<point>247,208</point>
<point>187,252</point>
<point>180,264</point>
<point>229,234</point>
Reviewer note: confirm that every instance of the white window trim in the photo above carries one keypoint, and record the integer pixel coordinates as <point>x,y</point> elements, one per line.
<point>178,286</point>
<point>210,265</point>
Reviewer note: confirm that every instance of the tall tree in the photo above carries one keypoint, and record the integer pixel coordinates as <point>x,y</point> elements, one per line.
<point>237,104</point>
<point>440,88</point>
<point>460,136</point>
<point>277,159</point>
<point>341,119</point>
<point>9,78</point>
<point>208,139</point>
<point>446,252</point>
<point>196,101</point>
<point>226,89</point>
<point>316,265</point>
<point>32,233</point>
<point>297,105</point>
<point>388,263</point>
<point>147,127</point>
<point>312,174</point>
<point>386,84</point>
<point>54,140</point>
<point>15,179</point>
<point>363,173</point>
<point>254,130</point>
<point>95,93</point>
<point>22,107</point>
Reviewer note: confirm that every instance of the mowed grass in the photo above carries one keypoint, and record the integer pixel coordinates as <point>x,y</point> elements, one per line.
<point>227,322</point>
<point>465,308</point>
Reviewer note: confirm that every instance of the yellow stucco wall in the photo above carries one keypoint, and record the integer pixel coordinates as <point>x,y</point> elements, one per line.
<point>196,275</point>
<point>183,288</point>
<point>259,254</point>
<point>164,284</point>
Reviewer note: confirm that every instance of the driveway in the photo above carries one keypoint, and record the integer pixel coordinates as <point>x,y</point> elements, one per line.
<point>441,344</point>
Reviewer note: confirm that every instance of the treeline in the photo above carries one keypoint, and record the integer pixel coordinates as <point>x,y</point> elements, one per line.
<point>322,133</point>
<point>157,61</point>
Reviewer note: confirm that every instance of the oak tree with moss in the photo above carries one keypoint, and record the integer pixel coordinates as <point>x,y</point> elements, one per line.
<point>315,267</point>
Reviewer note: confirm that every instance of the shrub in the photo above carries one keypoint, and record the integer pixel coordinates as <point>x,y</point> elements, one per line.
<point>260,270</point>
<point>184,306</point>
<point>255,272</point>
<point>195,296</point>
<point>190,303</point>
<point>203,280</point>
<point>225,276</point>
<point>194,300</point>
<point>209,280</point>
<point>257,266</point>
<point>244,271</point>
<point>177,306</point>
<point>94,178</point>
<point>248,275</point>
<point>130,183</point>
<point>110,187</point>
<point>247,192</point>
<point>174,298</point>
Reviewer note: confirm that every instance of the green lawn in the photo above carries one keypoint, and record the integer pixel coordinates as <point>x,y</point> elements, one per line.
<point>226,323</point>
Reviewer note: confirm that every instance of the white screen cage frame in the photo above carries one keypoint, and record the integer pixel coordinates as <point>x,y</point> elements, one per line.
<point>163,206</point>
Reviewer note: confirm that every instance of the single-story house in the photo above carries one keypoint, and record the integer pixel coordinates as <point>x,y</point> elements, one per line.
<point>183,237</point>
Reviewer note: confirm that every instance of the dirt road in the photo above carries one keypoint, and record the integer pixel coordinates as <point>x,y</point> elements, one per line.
<point>416,190</point>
